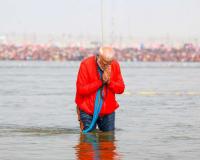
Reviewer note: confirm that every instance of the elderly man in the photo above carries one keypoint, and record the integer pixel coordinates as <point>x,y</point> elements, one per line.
<point>99,79</point>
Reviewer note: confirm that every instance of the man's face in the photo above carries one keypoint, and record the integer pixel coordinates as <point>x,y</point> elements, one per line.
<point>103,62</point>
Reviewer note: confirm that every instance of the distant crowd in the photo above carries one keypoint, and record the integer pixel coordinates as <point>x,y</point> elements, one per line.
<point>161,52</point>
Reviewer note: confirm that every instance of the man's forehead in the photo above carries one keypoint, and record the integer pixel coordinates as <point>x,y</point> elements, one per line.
<point>105,59</point>
<point>107,53</point>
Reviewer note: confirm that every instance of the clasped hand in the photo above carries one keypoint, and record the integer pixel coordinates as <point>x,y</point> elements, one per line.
<point>106,75</point>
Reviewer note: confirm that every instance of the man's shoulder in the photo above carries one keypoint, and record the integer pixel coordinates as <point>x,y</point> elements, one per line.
<point>115,63</point>
<point>88,60</point>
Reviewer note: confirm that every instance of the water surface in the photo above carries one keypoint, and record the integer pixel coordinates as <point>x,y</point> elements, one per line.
<point>159,115</point>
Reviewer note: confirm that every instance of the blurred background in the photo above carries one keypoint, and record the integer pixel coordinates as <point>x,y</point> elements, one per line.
<point>71,30</point>
<point>157,43</point>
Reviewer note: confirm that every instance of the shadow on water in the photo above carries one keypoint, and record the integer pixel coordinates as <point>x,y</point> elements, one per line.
<point>36,131</point>
<point>97,146</point>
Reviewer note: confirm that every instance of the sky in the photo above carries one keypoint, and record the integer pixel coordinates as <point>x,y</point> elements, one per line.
<point>137,18</point>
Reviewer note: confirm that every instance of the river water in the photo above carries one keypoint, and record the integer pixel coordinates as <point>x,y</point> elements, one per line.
<point>158,118</point>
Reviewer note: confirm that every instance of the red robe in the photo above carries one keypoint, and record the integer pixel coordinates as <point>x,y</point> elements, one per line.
<point>88,82</point>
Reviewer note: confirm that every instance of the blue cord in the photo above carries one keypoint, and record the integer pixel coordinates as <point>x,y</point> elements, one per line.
<point>97,107</point>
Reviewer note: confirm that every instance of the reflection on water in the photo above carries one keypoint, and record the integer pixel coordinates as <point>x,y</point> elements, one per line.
<point>97,146</point>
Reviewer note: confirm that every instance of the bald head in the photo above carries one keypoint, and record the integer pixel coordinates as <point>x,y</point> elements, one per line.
<point>107,53</point>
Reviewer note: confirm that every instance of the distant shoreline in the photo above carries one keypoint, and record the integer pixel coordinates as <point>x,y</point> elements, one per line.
<point>158,53</point>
